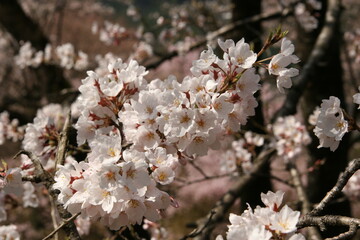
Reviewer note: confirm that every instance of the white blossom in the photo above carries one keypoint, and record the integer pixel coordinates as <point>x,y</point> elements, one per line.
<point>331,125</point>
<point>9,232</point>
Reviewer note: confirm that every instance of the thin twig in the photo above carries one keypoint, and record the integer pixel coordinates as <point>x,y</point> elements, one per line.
<point>39,169</point>
<point>192,163</point>
<point>187,183</point>
<point>63,142</point>
<point>61,226</point>
<point>198,231</point>
<point>61,10</point>
<point>222,31</point>
<point>53,216</point>
<point>48,181</point>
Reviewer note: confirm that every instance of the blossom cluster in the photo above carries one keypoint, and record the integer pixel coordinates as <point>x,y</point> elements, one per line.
<point>64,55</point>
<point>241,153</point>
<point>280,61</point>
<point>138,131</point>
<point>11,183</point>
<point>290,136</point>
<point>10,129</point>
<point>127,190</point>
<point>9,232</point>
<point>110,33</point>
<point>330,124</point>
<point>41,136</point>
<point>356,98</point>
<point>29,57</point>
<point>194,115</point>
<point>116,194</point>
<point>269,222</point>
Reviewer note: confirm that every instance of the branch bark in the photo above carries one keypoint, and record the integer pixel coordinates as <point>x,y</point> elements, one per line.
<point>305,203</point>
<point>330,220</point>
<point>48,181</point>
<point>336,190</point>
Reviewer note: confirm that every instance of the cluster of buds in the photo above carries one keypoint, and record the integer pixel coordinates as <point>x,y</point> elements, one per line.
<point>290,137</point>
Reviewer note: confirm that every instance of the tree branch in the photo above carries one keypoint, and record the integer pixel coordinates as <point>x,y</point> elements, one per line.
<point>335,191</point>
<point>305,203</point>
<point>198,231</point>
<point>330,220</point>
<point>224,204</point>
<point>41,173</point>
<point>63,142</point>
<point>48,181</point>
<point>61,226</point>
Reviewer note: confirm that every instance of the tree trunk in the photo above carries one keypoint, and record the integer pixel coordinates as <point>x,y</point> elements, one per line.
<point>37,86</point>
<point>325,81</point>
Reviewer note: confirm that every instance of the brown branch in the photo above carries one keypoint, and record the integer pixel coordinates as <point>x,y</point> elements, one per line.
<point>53,216</point>
<point>63,142</point>
<point>312,218</point>
<point>319,51</point>
<point>192,163</point>
<point>41,173</point>
<point>335,191</point>
<point>330,220</point>
<point>48,181</point>
<point>61,226</point>
<point>222,31</point>
<point>305,203</point>
<point>225,203</point>
<point>34,179</point>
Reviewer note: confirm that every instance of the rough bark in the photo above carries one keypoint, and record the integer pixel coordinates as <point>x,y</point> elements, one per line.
<point>325,81</point>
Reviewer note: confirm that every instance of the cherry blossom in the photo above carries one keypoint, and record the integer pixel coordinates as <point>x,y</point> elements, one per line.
<point>270,222</point>
<point>9,232</point>
<point>331,124</point>
<point>280,61</point>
